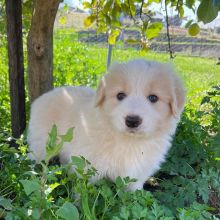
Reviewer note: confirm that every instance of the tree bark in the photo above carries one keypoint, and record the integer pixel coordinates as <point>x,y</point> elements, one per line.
<point>16,66</point>
<point>40,47</point>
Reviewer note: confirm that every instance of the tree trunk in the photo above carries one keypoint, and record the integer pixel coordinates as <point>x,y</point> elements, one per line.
<point>16,66</point>
<point>40,47</point>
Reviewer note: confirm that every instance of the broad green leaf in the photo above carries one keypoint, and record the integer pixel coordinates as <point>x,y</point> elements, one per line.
<point>79,162</point>
<point>30,186</point>
<point>5,203</point>
<point>68,136</point>
<point>89,20</point>
<point>68,211</point>
<point>112,37</point>
<point>207,11</point>
<point>153,30</point>
<point>119,182</point>
<point>181,11</point>
<point>194,29</point>
<point>51,142</point>
<point>52,148</point>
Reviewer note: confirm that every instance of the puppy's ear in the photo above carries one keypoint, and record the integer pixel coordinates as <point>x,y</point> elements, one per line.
<point>178,99</point>
<point>100,93</point>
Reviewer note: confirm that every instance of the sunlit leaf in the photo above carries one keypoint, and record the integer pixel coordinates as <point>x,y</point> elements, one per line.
<point>153,30</point>
<point>113,36</point>
<point>63,20</point>
<point>54,185</point>
<point>119,182</point>
<point>181,11</point>
<point>86,5</point>
<point>194,29</point>
<point>89,20</point>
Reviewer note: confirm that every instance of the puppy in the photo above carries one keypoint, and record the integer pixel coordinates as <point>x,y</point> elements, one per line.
<point>124,128</point>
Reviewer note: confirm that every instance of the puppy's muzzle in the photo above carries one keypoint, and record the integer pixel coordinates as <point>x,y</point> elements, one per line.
<point>133,121</point>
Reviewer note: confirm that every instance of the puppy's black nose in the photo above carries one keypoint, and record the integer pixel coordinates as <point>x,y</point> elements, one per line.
<point>133,121</point>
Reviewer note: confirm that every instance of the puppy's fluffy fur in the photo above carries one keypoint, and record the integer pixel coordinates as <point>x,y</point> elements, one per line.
<point>99,118</point>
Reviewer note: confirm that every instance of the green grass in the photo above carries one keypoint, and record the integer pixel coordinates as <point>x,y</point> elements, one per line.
<point>188,182</point>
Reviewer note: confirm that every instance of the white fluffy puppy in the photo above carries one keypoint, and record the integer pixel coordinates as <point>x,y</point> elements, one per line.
<point>124,128</point>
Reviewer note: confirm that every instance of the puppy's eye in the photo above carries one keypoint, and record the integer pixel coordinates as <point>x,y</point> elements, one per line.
<point>121,96</point>
<point>153,98</point>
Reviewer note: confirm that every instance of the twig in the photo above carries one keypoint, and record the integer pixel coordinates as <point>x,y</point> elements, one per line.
<point>141,10</point>
<point>168,33</point>
<point>177,7</point>
<point>131,16</point>
<point>142,13</point>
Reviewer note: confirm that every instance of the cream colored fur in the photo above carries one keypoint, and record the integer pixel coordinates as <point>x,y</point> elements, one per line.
<point>98,118</point>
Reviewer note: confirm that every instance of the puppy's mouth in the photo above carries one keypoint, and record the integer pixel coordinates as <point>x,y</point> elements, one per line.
<point>134,132</point>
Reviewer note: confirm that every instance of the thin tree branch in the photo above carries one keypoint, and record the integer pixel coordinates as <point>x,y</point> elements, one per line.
<point>168,33</point>
<point>141,10</point>
<point>131,16</point>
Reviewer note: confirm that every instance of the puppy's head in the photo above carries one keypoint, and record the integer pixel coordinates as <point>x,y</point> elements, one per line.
<point>141,97</point>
